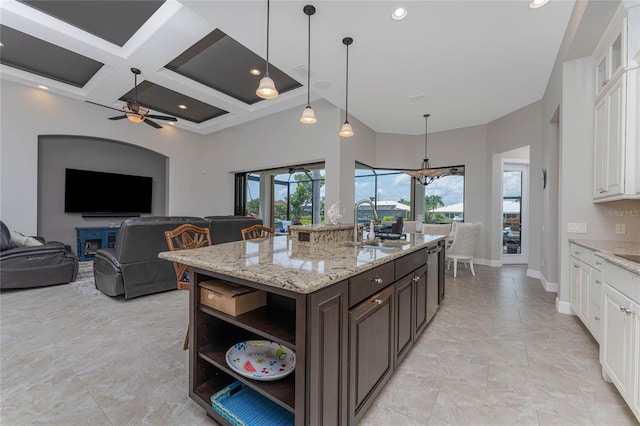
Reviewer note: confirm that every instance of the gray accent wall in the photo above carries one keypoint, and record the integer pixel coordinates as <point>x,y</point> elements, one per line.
<point>59,152</point>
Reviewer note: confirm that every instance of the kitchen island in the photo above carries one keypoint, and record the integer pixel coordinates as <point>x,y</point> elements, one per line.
<point>350,312</point>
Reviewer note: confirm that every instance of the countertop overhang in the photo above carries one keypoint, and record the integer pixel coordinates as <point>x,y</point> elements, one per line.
<point>296,266</point>
<point>609,251</point>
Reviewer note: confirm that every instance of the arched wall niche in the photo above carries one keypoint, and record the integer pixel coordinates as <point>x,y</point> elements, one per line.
<point>59,152</point>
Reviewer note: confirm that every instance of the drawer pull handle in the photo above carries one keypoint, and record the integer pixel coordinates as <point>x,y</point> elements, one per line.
<point>378,301</point>
<point>598,282</point>
<point>576,266</point>
<point>416,279</point>
<point>576,252</point>
<point>598,263</point>
<point>377,280</point>
<point>625,310</point>
<point>596,318</point>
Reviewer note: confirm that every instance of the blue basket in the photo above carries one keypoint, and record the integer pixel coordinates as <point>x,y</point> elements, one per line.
<point>242,406</point>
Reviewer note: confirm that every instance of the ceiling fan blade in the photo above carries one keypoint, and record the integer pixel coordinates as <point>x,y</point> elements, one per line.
<point>152,124</point>
<point>119,117</point>
<point>162,117</point>
<point>104,106</point>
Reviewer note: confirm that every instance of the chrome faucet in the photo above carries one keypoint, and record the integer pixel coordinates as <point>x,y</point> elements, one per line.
<point>355,216</point>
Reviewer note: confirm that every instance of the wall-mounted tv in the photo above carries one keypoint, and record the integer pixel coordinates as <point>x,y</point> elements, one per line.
<point>104,194</point>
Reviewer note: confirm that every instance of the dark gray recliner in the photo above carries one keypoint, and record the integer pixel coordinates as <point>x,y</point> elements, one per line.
<point>37,266</point>
<point>224,229</point>
<point>133,268</point>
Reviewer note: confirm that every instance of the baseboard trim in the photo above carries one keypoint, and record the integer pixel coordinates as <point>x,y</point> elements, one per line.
<point>533,273</point>
<point>563,307</point>
<point>487,262</point>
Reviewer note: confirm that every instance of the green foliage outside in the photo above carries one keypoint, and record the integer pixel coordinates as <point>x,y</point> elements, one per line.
<point>432,202</point>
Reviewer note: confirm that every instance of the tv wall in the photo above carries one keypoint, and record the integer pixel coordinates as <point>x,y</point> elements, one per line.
<point>56,153</point>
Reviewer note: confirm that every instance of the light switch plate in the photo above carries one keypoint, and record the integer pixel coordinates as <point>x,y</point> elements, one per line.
<point>577,228</point>
<point>621,229</point>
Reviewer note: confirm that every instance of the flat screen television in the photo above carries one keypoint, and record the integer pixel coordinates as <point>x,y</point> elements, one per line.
<point>104,194</point>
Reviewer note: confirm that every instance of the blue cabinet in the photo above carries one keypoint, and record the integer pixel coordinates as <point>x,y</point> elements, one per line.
<point>90,240</point>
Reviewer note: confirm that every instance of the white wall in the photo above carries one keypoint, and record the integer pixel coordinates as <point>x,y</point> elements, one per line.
<point>281,140</point>
<point>28,112</point>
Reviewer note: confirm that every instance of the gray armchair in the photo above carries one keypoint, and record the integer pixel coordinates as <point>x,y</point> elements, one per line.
<point>133,268</point>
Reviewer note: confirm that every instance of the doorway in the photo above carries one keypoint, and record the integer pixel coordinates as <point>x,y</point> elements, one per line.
<point>515,196</point>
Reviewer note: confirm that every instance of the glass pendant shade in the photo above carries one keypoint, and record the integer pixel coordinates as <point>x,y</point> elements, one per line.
<point>346,131</point>
<point>308,116</point>
<point>267,89</point>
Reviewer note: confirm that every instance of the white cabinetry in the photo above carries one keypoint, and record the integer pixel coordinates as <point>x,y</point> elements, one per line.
<point>586,288</point>
<point>616,165</point>
<point>620,348</point>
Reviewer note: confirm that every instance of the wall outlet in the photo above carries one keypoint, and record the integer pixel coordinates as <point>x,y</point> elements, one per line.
<point>621,229</point>
<point>577,228</point>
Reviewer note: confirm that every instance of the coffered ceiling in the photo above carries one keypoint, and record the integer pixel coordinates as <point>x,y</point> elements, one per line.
<point>464,62</point>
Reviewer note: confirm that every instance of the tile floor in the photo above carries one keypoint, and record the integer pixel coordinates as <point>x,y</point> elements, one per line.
<point>496,353</point>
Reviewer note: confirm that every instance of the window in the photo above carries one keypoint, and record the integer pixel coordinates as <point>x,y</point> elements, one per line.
<point>297,195</point>
<point>389,190</point>
<point>444,197</point>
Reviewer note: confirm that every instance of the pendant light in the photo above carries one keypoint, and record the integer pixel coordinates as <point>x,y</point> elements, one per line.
<point>267,88</point>
<point>425,175</point>
<point>346,131</point>
<point>308,116</point>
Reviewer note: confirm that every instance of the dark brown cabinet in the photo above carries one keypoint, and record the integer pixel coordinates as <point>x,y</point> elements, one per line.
<point>328,339</point>
<point>371,350</point>
<point>405,313</point>
<point>348,337</point>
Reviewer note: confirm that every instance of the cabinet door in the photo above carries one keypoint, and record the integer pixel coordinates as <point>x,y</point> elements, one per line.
<point>575,286</point>
<point>600,148</point>
<point>328,356</point>
<point>615,100</point>
<point>635,360</point>
<point>585,300</point>
<point>421,301</point>
<point>371,348</point>
<point>616,349</point>
<point>404,298</point>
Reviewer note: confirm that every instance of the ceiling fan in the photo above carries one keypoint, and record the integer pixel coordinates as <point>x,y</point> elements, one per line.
<point>133,111</point>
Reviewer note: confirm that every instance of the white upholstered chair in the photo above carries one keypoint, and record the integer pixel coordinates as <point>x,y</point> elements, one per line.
<point>410,226</point>
<point>436,228</point>
<point>464,246</point>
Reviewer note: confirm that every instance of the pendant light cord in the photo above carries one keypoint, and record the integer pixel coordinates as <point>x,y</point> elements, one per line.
<point>267,68</point>
<point>426,117</point>
<point>346,103</point>
<point>309,66</point>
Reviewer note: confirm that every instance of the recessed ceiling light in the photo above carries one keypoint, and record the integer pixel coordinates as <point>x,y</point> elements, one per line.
<point>537,3</point>
<point>40,86</point>
<point>1,44</point>
<point>255,71</point>
<point>400,13</point>
<point>182,106</point>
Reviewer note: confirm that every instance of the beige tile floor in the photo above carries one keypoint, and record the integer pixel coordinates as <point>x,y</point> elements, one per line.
<point>496,353</point>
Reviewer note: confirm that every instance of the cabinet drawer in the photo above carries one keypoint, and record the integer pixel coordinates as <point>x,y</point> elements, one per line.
<point>410,262</point>
<point>92,234</point>
<point>595,321</point>
<point>622,280</point>
<point>367,283</point>
<point>580,252</point>
<point>596,261</point>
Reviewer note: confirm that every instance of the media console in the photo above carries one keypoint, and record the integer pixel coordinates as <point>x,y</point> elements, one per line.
<point>92,239</point>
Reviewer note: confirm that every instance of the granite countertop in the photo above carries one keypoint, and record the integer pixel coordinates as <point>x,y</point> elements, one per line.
<point>609,249</point>
<point>288,264</point>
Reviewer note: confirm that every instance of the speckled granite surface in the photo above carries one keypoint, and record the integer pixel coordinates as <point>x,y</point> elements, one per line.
<point>282,262</point>
<point>609,249</point>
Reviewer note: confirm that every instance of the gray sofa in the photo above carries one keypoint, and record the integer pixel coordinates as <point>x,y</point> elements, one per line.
<point>133,268</point>
<point>36,266</point>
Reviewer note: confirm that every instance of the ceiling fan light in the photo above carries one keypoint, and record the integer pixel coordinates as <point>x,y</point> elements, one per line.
<point>346,131</point>
<point>535,4</point>
<point>308,116</point>
<point>134,118</point>
<point>267,89</point>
